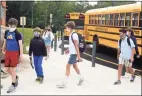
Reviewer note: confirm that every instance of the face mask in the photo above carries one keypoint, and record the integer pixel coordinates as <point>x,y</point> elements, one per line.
<point>11,29</point>
<point>36,34</point>
<point>67,29</point>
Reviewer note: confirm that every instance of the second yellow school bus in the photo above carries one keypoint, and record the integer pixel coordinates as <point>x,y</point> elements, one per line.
<point>78,18</point>
<point>106,22</point>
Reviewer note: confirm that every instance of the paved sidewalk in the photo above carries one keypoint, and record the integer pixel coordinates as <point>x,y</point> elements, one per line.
<point>98,80</point>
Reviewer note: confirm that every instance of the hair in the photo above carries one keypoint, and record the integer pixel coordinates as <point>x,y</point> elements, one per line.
<point>130,30</point>
<point>70,24</point>
<point>13,21</point>
<point>123,30</point>
<point>37,29</point>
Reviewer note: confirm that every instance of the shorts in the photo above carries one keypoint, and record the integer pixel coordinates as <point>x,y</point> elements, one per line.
<point>11,58</point>
<point>48,43</point>
<point>72,59</point>
<point>125,62</point>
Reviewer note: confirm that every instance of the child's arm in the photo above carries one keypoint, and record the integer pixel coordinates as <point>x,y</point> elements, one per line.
<point>21,47</point>
<point>44,48</point>
<point>4,46</point>
<point>4,43</point>
<point>30,48</point>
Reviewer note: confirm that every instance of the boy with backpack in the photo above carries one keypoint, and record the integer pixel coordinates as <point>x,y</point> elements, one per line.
<point>13,49</point>
<point>74,50</point>
<point>38,49</point>
<point>126,50</point>
<point>130,34</point>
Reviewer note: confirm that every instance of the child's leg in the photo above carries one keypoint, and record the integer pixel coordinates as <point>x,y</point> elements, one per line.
<point>13,72</point>
<point>39,66</point>
<point>68,66</point>
<point>8,70</point>
<point>76,68</point>
<point>36,64</point>
<point>48,48</point>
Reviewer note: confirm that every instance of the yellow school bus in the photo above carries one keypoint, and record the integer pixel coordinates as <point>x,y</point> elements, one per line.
<point>106,22</point>
<point>78,18</point>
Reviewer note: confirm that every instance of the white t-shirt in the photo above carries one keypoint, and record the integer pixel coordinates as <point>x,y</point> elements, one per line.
<point>126,50</point>
<point>72,49</point>
<point>45,35</point>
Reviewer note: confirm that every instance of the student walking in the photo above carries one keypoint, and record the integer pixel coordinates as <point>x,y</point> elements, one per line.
<point>74,54</point>
<point>126,50</point>
<point>38,49</point>
<point>11,48</point>
<point>48,36</point>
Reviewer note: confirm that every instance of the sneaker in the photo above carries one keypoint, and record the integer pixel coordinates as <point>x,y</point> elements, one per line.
<point>133,78</point>
<point>80,81</point>
<point>11,89</point>
<point>61,85</point>
<point>37,79</point>
<point>40,80</point>
<point>117,82</point>
<point>17,79</point>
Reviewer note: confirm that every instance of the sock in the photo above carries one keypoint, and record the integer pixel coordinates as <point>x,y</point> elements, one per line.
<point>80,76</point>
<point>66,79</point>
<point>13,84</point>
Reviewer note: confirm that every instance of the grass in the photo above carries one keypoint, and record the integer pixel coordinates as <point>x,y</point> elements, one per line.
<point>28,35</point>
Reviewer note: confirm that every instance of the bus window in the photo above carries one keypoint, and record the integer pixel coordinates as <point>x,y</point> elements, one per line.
<point>122,18</point>
<point>93,19</point>
<point>96,19</point>
<point>140,21</point>
<point>79,24</point>
<point>103,19</point>
<point>128,19</point>
<point>107,17</point>
<point>99,20</point>
<point>89,19</point>
<point>135,19</point>
<point>116,18</point>
<point>111,19</point>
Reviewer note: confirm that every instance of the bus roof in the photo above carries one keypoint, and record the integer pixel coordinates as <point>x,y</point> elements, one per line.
<point>136,7</point>
<point>75,13</point>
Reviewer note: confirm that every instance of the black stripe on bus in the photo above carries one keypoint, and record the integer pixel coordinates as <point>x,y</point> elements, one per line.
<point>137,28</point>
<point>112,39</point>
<point>110,32</point>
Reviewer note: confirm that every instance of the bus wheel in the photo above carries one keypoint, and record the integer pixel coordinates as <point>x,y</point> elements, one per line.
<point>96,38</point>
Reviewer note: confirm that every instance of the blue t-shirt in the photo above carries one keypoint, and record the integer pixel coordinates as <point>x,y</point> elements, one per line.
<point>12,39</point>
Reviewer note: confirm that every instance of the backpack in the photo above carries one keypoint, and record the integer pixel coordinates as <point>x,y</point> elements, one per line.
<point>16,32</point>
<point>128,41</point>
<point>82,44</point>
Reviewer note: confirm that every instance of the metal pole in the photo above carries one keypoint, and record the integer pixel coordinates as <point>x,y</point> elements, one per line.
<point>55,42</point>
<point>23,29</point>
<point>94,54</point>
<point>62,50</point>
<point>58,35</point>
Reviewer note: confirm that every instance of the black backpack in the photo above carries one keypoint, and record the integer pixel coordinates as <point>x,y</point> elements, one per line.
<point>16,32</point>
<point>128,41</point>
<point>82,44</point>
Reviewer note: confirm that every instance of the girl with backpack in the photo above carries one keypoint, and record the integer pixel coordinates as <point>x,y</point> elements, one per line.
<point>47,36</point>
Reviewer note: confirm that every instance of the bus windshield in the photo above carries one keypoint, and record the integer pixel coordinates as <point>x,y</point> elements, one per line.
<point>79,24</point>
